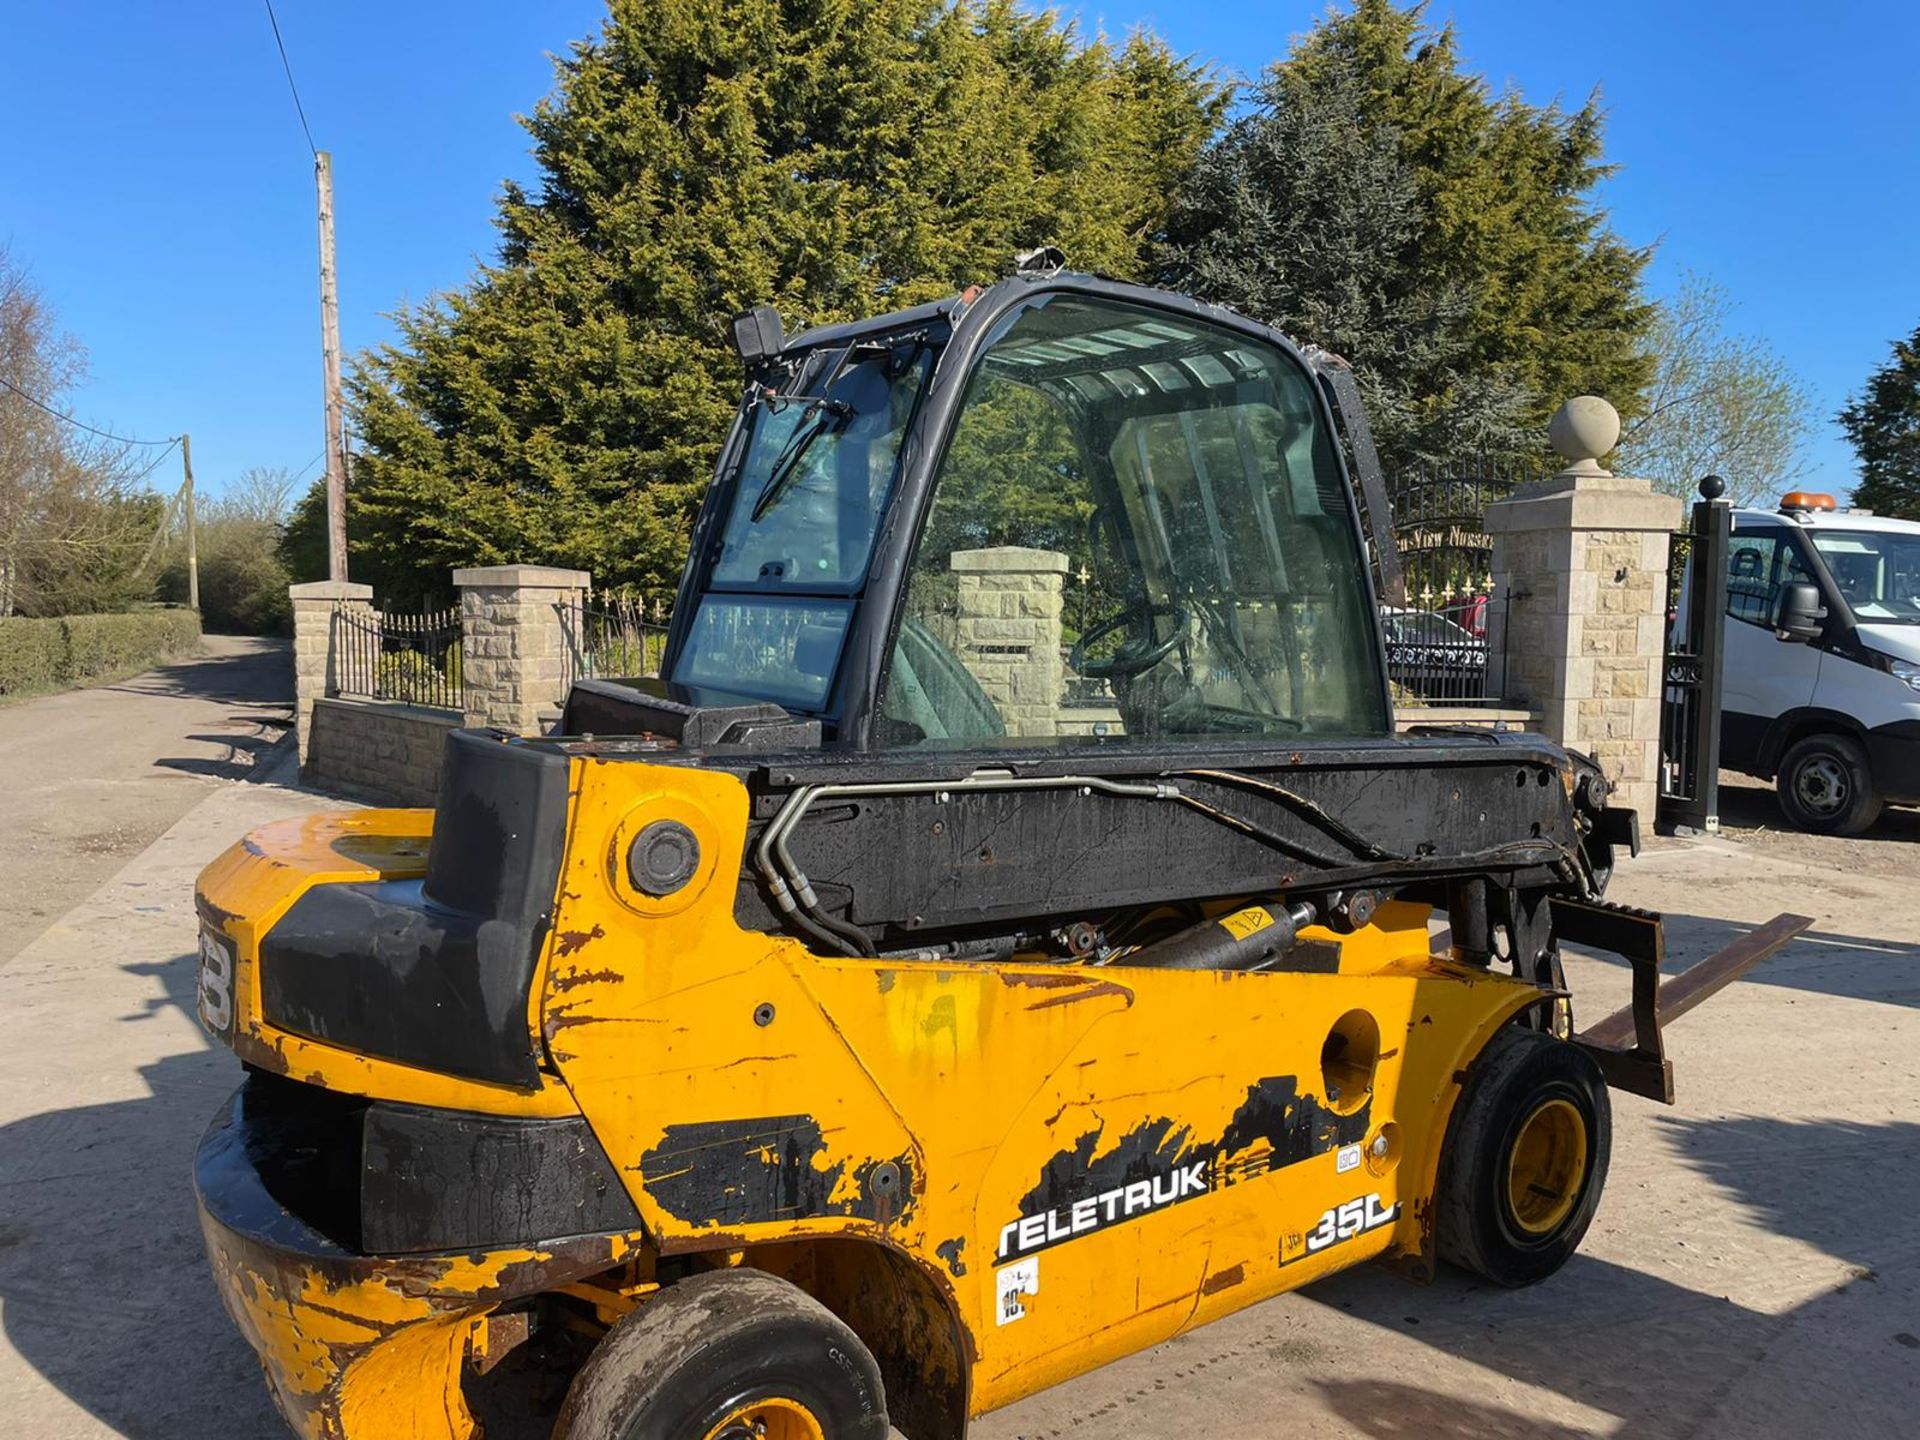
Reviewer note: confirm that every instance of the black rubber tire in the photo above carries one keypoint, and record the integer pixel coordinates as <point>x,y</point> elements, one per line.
<point>1822,763</point>
<point>686,1359</point>
<point>1519,1071</point>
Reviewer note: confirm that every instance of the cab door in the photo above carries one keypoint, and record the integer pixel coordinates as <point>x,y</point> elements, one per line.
<point>1763,678</point>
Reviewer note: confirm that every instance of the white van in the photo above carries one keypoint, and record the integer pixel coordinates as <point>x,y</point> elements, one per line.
<point>1821,685</point>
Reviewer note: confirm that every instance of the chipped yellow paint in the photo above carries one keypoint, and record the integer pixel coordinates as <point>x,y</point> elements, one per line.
<point>979,1076</point>
<point>366,1350</point>
<point>667,1025</point>
<point>246,891</point>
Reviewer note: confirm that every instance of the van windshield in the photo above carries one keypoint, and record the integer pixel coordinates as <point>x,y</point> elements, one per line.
<point>1877,571</point>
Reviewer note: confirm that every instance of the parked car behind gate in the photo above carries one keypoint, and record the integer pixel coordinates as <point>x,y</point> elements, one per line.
<point>1433,657</point>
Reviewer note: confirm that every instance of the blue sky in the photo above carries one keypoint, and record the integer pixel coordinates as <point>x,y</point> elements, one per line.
<point>155,179</point>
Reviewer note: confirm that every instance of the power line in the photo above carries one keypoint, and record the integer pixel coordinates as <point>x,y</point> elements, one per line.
<point>287,65</point>
<point>167,514</point>
<point>81,424</point>
<point>309,465</point>
<point>172,445</point>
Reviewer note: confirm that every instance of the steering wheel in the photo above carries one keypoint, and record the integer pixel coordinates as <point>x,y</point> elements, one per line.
<point>1129,662</point>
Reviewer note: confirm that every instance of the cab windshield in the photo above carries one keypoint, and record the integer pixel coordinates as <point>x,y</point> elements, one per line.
<point>1877,571</point>
<point>821,456</point>
<point>1139,531</point>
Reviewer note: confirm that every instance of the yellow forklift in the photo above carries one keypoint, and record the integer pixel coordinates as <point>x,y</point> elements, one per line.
<point>1008,935</point>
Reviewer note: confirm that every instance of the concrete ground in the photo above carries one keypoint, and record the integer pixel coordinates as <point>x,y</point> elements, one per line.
<point>1754,1270</point>
<point>91,777</point>
<point>1750,812</point>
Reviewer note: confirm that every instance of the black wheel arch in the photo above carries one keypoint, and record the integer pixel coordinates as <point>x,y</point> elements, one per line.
<point>1790,727</point>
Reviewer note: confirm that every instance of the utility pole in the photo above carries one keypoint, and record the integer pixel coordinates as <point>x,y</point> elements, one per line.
<point>193,531</point>
<point>330,356</point>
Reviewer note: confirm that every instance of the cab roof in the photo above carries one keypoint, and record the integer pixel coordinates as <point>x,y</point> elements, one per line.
<point>1824,520</point>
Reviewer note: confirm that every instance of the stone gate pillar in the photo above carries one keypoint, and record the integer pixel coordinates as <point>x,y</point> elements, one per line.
<point>315,660</point>
<point>1009,630</point>
<point>513,641</point>
<point>1582,562</point>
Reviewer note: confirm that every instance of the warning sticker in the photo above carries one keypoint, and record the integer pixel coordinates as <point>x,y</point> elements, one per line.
<point>1243,923</point>
<point>1014,1282</point>
<point>1346,1158</point>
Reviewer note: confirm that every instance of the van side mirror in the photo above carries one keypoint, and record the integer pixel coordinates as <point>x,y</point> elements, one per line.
<point>1800,613</point>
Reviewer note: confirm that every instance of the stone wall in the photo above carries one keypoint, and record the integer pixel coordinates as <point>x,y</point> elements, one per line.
<point>315,660</point>
<point>1008,631</point>
<point>513,626</point>
<point>514,664</point>
<point>376,750</point>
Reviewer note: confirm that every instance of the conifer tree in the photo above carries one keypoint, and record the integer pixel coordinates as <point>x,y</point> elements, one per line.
<point>1379,201</point>
<point>1883,425</point>
<point>832,157</point>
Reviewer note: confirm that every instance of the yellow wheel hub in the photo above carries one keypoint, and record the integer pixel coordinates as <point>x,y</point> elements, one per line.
<point>1546,1167</point>
<point>772,1419</point>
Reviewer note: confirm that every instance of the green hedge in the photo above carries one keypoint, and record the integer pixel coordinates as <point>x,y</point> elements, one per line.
<point>48,654</point>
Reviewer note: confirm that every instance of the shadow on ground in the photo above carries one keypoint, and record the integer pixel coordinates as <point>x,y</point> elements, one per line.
<point>1670,1361</point>
<point>1821,962</point>
<point>1748,806</point>
<point>263,675</point>
<point>252,746</point>
<point>103,1283</point>
<point>257,682</point>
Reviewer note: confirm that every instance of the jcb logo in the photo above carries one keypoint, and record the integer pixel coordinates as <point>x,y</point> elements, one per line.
<point>216,983</point>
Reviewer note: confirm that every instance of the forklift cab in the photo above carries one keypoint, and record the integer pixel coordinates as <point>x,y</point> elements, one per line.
<point>1121,498</point>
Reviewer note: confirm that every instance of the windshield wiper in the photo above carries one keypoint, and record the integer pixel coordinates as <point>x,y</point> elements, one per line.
<point>827,414</point>
<point>778,400</point>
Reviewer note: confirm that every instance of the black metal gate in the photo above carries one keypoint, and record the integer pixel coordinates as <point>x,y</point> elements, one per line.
<point>1692,672</point>
<point>1439,631</point>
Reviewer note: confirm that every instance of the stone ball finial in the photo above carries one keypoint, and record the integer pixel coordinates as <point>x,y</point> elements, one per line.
<point>1712,488</point>
<point>1582,430</point>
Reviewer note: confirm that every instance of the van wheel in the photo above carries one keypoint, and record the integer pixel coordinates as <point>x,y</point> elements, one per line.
<point>729,1355</point>
<point>1526,1159</point>
<point>1826,786</point>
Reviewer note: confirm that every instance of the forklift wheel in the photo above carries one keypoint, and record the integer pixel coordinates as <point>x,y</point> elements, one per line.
<point>1526,1159</point>
<point>729,1355</point>
<point>1826,786</point>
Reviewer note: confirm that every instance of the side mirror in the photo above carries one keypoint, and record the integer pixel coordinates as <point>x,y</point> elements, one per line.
<point>758,336</point>
<point>1799,614</point>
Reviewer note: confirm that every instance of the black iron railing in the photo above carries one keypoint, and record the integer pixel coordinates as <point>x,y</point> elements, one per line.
<point>1447,655</point>
<point>622,636</point>
<point>1446,637</point>
<point>1439,529</point>
<point>413,659</point>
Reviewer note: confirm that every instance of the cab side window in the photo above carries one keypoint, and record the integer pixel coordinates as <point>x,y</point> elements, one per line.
<point>1759,565</point>
<point>1013,495</point>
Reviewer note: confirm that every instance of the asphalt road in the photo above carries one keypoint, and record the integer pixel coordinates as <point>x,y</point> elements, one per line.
<point>89,778</point>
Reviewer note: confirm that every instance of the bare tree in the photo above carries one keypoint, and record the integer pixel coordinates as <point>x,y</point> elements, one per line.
<point>1720,404</point>
<point>263,493</point>
<point>74,518</point>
